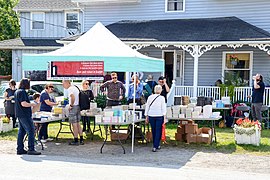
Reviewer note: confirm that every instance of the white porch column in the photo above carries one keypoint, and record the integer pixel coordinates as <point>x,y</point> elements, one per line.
<point>196,51</point>
<point>195,70</point>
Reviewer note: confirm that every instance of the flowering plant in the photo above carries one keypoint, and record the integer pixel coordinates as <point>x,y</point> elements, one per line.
<point>246,126</point>
<point>233,57</point>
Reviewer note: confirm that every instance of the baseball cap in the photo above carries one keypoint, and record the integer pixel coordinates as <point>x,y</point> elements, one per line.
<point>161,78</point>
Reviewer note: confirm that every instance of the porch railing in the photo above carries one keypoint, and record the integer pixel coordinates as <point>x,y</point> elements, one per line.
<point>240,93</point>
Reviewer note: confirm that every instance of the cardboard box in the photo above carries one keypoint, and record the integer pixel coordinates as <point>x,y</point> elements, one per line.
<point>204,138</point>
<point>204,130</point>
<point>98,118</point>
<point>179,137</point>
<point>191,128</point>
<point>122,136</point>
<point>184,122</point>
<point>181,129</point>
<point>191,138</point>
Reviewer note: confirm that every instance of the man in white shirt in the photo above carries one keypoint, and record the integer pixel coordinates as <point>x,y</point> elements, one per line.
<point>74,112</point>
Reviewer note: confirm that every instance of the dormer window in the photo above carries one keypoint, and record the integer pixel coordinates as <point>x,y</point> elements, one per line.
<point>38,20</point>
<point>174,5</point>
<point>72,20</point>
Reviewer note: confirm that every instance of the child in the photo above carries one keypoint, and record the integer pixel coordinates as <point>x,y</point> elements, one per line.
<point>36,98</point>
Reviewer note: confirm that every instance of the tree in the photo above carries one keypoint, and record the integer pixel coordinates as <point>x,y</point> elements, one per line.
<point>9,29</point>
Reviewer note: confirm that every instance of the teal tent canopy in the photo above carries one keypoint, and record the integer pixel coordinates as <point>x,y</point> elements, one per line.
<point>97,44</point>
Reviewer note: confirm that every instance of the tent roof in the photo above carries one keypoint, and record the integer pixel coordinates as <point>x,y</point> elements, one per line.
<point>97,44</point>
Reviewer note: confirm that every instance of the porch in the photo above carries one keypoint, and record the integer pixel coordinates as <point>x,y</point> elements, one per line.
<point>240,93</point>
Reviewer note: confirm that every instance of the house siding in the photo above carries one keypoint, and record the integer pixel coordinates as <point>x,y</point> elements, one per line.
<point>155,9</point>
<point>17,73</point>
<point>210,64</point>
<point>54,26</point>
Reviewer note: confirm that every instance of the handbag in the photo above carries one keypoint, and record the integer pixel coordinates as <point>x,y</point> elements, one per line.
<point>142,99</point>
<point>149,133</point>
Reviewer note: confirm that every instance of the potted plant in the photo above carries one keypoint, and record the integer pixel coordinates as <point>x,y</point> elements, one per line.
<point>5,124</point>
<point>234,59</point>
<point>247,131</point>
<point>100,99</point>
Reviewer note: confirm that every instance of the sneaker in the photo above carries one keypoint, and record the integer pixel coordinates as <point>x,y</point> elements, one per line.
<point>21,152</point>
<point>43,140</point>
<point>154,150</point>
<point>158,148</point>
<point>81,143</point>
<point>49,139</point>
<point>33,153</point>
<point>73,143</point>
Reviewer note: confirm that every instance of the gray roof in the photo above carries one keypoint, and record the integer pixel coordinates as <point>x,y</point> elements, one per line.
<point>205,29</point>
<point>26,5</point>
<point>20,43</point>
<point>185,30</point>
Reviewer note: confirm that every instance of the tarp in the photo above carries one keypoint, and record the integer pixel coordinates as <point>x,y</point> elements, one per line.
<point>97,44</point>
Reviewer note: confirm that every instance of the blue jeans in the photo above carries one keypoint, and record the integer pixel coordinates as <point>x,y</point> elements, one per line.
<point>43,132</point>
<point>26,125</point>
<point>156,126</point>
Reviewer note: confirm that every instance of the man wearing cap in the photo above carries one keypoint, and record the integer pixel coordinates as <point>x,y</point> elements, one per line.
<point>165,87</point>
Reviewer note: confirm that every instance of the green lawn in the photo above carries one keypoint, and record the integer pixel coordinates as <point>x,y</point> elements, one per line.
<point>225,140</point>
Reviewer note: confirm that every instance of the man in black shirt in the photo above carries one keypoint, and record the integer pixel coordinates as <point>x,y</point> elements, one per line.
<point>24,114</point>
<point>257,97</point>
<point>165,87</point>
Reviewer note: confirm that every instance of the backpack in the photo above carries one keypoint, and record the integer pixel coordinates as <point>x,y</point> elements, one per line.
<point>82,99</point>
<point>80,96</point>
<point>147,91</point>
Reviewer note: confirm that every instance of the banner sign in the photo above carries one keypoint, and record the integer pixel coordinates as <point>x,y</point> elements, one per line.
<point>91,70</point>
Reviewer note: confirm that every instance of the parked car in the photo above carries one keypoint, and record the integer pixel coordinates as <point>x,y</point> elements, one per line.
<point>35,86</point>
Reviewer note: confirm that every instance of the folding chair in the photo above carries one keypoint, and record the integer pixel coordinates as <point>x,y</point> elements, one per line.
<point>240,110</point>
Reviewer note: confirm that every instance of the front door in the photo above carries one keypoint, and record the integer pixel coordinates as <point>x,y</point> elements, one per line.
<point>174,66</point>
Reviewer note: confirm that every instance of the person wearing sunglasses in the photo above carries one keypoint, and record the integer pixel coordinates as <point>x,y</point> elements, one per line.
<point>46,103</point>
<point>86,95</point>
<point>115,91</point>
<point>165,88</point>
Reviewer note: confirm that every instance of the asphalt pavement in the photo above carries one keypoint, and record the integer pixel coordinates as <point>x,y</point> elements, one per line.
<point>60,167</point>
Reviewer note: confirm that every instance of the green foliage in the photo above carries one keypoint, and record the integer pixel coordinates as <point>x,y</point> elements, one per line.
<point>100,99</point>
<point>234,79</point>
<point>9,29</point>
<point>124,100</point>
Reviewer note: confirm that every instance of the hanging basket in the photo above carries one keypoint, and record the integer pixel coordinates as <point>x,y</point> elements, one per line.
<point>234,62</point>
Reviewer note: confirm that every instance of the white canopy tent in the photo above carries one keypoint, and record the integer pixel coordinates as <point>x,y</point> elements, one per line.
<point>98,44</point>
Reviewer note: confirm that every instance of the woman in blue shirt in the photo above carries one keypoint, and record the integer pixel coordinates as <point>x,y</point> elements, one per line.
<point>47,102</point>
<point>139,90</point>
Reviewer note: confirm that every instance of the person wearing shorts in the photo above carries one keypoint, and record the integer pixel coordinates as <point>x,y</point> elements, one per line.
<point>74,112</point>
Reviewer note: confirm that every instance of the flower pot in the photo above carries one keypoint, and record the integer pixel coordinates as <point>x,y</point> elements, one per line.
<point>234,62</point>
<point>244,138</point>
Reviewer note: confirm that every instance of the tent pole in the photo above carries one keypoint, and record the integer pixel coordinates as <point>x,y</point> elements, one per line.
<point>133,111</point>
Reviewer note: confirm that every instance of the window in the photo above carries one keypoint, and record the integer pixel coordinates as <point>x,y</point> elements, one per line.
<point>37,20</point>
<point>239,66</point>
<point>174,5</point>
<point>72,20</point>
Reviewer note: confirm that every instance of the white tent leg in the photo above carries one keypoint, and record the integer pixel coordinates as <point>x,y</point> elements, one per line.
<point>133,112</point>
